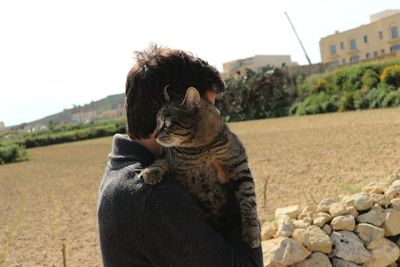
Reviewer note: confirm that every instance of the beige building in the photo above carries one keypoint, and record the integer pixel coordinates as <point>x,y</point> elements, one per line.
<point>235,67</point>
<point>378,38</point>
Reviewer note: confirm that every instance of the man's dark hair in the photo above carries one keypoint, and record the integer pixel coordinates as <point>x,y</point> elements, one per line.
<point>158,68</point>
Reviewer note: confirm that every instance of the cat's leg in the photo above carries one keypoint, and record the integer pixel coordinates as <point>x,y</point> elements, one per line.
<point>154,173</point>
<point>239,172</point>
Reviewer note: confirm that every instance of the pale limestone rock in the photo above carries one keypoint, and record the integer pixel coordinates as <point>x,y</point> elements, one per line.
<point>370,235</point>
<point>351,210</point>
<point>394,190</point>
<point>361,201</point>
<point>298,235</point>
<point>347,200</point>
<point>320,221</point>
<point>316,259</point>
<point>344,222</point>
<point>308,211</point>
<point>337,262</point>
<point>395,203</point>
<point>291,211</point>
<point>396,182</point>
<point>392,223</point>
<point>321,218</point>
<point>349,247</point>
<point>308,220</point>
<point>285,226</point>
<point>325,204</point>
<point>376,188</point>
<point>379,199</point>
<point>384,255</point>
<point>327,229</point>
<point>375,216</point>
<point>317,240</point>
<point>268,230</point>
<point>337,209</point>
<point>301,224</point>
<point>393,177</point>
<point>283,251</point>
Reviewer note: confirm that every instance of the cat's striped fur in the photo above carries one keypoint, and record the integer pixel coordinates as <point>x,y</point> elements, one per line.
<point>194,136</point>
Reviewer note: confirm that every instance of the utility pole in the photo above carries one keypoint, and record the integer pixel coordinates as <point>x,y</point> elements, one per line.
<point>298,38</point>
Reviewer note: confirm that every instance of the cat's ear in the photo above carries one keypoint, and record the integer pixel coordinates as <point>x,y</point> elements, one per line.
<point>192,98</point>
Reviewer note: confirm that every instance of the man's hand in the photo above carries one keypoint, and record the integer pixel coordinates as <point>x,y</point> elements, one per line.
<point>221,173</point>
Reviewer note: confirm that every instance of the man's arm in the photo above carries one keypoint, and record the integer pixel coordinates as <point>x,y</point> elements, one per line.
<point>177,233</point>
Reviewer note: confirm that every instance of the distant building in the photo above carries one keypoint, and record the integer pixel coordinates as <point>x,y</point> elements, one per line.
<point>235,67</point>
<point>109,114</point>
<point>2,125</point>
<point>378,38</point>
<point>84,116</point>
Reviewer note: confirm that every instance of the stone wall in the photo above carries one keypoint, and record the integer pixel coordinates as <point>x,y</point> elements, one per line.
<point>354,230</point>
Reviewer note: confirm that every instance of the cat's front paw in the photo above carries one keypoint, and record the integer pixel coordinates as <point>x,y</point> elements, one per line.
<point>251,234</point>
<point>151,175</point>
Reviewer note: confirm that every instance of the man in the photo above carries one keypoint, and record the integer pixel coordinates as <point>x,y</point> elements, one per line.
<point>162,225</point>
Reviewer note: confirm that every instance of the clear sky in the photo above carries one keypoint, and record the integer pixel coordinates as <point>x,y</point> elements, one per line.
<point>54,54</point>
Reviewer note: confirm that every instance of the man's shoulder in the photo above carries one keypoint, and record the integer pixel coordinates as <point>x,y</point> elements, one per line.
<point>125,186</point>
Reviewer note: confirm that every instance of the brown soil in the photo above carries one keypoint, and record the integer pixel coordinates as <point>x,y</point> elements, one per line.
<point>50,201</point>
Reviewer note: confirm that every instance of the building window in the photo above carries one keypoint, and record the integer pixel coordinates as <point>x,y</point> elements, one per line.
<point>333,50</point>
<point>365,39</point>
<point>354,58</point>
<point>368,55</point>
<point>344,61</point>
<point>375,53</point>
<point>382,52</point>
<point>335,63</point>
<point>342,45</point>
<point>395,48</point>
<point>395,33</point>
<point>381,35</point>
<point>353,44</point>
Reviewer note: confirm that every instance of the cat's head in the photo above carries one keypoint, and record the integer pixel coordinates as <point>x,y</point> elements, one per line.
<point>192,123</point>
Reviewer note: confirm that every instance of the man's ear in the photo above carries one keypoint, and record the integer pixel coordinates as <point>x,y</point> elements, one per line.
<point>192,98</point>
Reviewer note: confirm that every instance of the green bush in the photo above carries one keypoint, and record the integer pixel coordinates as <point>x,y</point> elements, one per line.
<point>257,94</point>
<point>12,153</point>
<point>376,97</point>
<point>350,88</point>
<point>370,79</point>
<point>73,133</point>
<point>391,75</point>
<point>392,99</point>
<point>346,101</point>
<point>317,103</point>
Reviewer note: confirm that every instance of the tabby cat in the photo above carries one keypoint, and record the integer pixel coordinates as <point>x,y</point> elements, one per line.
<point>194,135</point>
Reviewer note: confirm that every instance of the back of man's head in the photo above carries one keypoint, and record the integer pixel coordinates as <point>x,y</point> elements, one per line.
<point>156,69</point>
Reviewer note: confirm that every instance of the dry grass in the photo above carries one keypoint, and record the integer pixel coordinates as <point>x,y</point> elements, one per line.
<point>50,201</point>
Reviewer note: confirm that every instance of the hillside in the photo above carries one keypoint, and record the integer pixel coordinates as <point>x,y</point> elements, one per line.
<point>107,107</point>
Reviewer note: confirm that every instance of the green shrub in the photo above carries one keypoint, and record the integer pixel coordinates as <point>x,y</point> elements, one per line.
<point>392,99</point>
<point>317,103</point>
<point>346,101</point>
<point>391,75</point>
<point>370,79</point>
<point>258,94</point>
<point>360,100</point>
<point>12,153</point>
<point>376,96</point>
<point>71,133</point>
